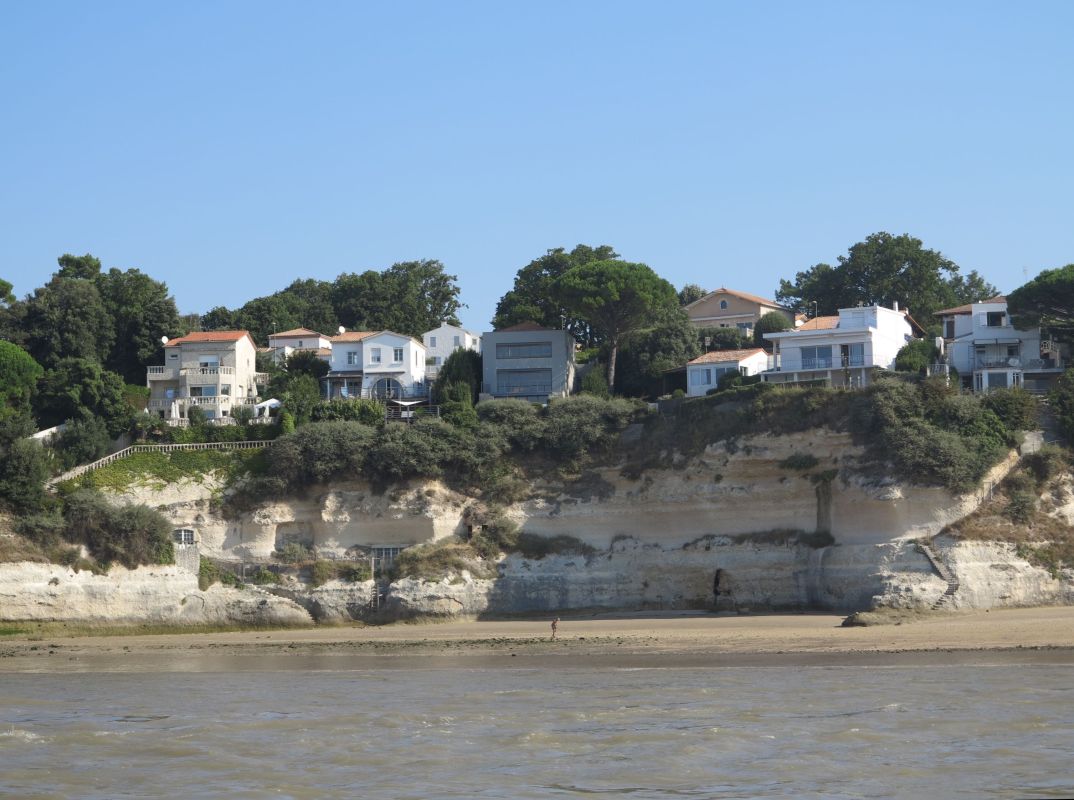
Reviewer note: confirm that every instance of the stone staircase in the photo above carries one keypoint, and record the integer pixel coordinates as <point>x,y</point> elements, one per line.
<point>943,571</point>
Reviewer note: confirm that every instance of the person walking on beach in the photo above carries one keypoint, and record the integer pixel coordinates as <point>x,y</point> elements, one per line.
<point>555,627</point>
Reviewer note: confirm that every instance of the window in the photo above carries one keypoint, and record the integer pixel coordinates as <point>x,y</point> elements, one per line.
<point>700,377</point>
<point>523,381</point>
<point>949,329</point>
<point>209,362</point>
<point>745,327</point>
<point>432,341</point>
<point>457,344</point>
<point>299,342</point>
<point>203,391</point>
<point>438,360</point>
<point>374,355</point>
<point>183,536</point>
<point>225,389</point>
<point>352,357</point>
<point>723,305</point>
<point>853,355</point>
<point>817,357</point>
<point>524,350</point>
<point>994,319</point>
<point>397,355</point>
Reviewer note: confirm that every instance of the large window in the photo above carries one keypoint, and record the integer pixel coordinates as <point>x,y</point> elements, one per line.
<point>352,357</point>
<point>994,319</point>
<point>853,355</point>
<point>817,357</point>
<point>701,377</point>
<point>524,350</point>
<point>397,355</point>
<point>523,381</point>
<point>374,355</point>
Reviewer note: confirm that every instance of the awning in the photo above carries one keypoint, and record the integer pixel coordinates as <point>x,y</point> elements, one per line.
<point>406,403</point>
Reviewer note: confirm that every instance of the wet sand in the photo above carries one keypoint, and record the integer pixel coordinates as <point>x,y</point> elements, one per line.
<point>614,640</point>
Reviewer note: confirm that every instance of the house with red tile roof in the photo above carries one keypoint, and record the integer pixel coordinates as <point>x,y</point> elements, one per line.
<point>840,350</point>
<point>728,308</point>
<point>705,371</point>
<point>383,365</point>
<point>211,370</point>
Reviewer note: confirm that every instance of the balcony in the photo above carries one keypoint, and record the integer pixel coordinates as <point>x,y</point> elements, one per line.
<point>190,371</point>
<point>261,378</point>
<point>833,363</point>
<point>162,373</point>
<point>527,390</point>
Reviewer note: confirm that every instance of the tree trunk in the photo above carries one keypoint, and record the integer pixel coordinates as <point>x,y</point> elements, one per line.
<point>613,351</point>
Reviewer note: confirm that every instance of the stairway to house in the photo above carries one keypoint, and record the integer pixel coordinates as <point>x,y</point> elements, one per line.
<point>943,571</point>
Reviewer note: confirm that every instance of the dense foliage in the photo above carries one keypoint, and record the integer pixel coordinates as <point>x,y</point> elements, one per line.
<point>1047,301</point>
<point>882,270</point>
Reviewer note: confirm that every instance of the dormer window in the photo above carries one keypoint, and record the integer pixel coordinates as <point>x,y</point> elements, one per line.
<point>723,305</point>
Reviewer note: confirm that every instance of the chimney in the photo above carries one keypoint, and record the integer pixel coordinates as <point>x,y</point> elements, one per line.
<point>895,305</point>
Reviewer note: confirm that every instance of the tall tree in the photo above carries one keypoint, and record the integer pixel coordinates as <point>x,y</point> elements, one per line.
<point>972,288</point>
<point>409,297</point>
<point>689,293</point>
<point>85,267</point>
<point>7,297</point>
<point>18,377</point>
<point>79,389</point>
<point>882,270</point>
<point>771,322</point>
<point>615,298</point>
<point>1046,301</point>
<point>533,298</point>
<point>646,354</point>
<point>219,318</point>
<point>68,319</point>
<point>142,312</point>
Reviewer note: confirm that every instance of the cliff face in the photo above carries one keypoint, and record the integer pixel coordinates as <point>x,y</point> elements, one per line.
<point>823,535</point>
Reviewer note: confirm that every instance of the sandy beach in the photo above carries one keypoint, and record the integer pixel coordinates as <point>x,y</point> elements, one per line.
<point>1037,635</point>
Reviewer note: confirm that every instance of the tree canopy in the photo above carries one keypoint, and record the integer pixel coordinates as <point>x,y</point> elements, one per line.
<point>646,354</point>
<point>409,297</point>
<point>882,270</point>
<point>771,322</point>
<point>18,377</point>
<point>533,297</point>
<point>1046,301</point>
<point>689,293</point>
<point>615,298</point>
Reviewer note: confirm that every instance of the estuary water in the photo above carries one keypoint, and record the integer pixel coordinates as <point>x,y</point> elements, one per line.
<point>447,732</point>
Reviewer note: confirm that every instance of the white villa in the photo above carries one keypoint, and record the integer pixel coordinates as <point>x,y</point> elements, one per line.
<point>705,371</point>
<point>989,352</point>
<point>841,350</point>
<point>442,342</point>
<point>382,365</point>
<point>283,344</point>
<point>213,370</point>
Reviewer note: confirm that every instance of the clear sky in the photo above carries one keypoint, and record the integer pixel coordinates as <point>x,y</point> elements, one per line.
<point>229,148</point>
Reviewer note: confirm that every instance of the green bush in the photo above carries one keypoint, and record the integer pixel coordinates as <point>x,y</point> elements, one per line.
<point>264,577</point>
<point>319,452</point>
<point>287,422</point>
<point>294,553</point>
<point>82,441</point>
<point>1016,408</point>
<point>497,535</point>
<point>520,422</point>
<point>195,416</point>
<point>321,572</point>
<point>128,535</point>
<point>728,381</point>
<point>340,409</point>
<point>462,366</point>
<point>1020,507</point>
<point>45,529</point>
<point>916,356</point>
<point>595,382</point>
<point>457,406</point>
<point>355,573</point>
<point>576,426</point>
<point>432,561</point>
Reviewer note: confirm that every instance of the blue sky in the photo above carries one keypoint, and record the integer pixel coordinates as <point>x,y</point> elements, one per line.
<point>230,148</point>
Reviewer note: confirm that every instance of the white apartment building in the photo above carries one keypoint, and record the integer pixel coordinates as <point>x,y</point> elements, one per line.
<point>443,341</point>
<point>283,344</point>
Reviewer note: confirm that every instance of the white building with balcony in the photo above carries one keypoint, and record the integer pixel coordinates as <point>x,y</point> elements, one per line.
<point>284,344</point>
<point>442,342</point>
<point>990,353</point>
<point>840,350</point>
<point>704,372</point>
<point>213,370</point>
<point>382,365</point>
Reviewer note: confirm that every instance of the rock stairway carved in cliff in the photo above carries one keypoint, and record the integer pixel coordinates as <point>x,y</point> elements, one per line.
<point>943,571</point>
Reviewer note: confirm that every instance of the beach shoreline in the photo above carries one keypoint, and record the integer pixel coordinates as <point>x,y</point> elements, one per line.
<point>613,640</point>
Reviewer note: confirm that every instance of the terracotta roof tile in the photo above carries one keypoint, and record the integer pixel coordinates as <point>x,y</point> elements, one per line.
<point>351,336</point>
<point>210,336</point>
<point>820,324</point>
<point>720,356</point>
<point>296,332</point>
<point>968,308</point>
<point>741,295</point>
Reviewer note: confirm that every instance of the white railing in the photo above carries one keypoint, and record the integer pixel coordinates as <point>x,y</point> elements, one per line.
<point>193,371</point>
<point>215,400</point>
<point>261,377</point>
<point>153,448</point>
<point>161,373</point>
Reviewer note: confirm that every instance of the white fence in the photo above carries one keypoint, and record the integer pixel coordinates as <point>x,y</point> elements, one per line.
<point>153,448</point>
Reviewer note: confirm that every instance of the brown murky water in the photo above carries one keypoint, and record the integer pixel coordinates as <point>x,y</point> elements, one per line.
<point>923,731</point>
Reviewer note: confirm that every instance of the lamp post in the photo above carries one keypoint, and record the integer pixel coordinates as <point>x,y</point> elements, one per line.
<point>814,309</point>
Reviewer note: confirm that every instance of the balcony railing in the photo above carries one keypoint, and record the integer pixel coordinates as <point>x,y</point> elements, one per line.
<point>261,378</point>
<point>206,371</point>
<point>833,363</point>
<point>530,389</point>
<point>218,400</point>
<point>161,373</point>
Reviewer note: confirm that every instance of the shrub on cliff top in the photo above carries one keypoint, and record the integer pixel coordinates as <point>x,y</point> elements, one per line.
<point>128,535</point>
